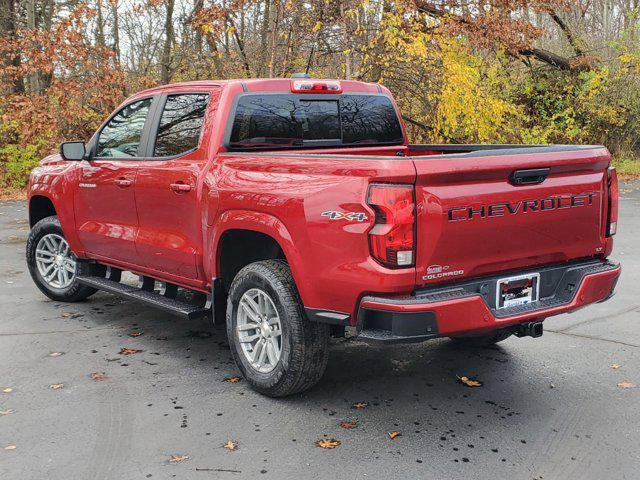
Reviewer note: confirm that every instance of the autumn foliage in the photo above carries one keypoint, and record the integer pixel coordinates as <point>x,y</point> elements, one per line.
<point>532,71</point>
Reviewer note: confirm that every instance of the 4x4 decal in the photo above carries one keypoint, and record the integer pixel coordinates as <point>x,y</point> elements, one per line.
<point>354,216</point>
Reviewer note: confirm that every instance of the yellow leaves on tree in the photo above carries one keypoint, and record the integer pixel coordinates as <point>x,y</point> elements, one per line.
<point>472,104</point>
<point>445,89</point>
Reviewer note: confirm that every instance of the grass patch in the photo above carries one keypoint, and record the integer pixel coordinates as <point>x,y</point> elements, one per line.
<point>628,167</point>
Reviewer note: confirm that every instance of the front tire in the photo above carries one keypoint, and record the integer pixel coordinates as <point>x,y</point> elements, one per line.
<point>275,346</point>
<point>53,266</point>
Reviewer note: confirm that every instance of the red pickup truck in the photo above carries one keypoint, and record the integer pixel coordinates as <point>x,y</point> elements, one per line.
<point>294,209</point>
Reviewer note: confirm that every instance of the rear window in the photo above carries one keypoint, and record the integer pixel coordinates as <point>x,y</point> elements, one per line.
<point>281,121</point>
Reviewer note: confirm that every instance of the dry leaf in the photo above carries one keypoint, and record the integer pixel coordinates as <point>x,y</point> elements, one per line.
<point>135,334</point>
<point>328,443</point>
<point>5,412</point>
<point>230,445</point>
<point>349,425</point>
<point>129,351</point>
<point>469,383</point>
<point>56,386</point>
<point>10,447</point>
<point>66,314</point>
<point>98,376</point>
<point>360,405</point>
<point>178,458</point>
<point>615,366</point>
<point>56,354</point>
<point>626,385</point>
<point>7,390</point>
<point>393,435</point>
<point>232,379</point>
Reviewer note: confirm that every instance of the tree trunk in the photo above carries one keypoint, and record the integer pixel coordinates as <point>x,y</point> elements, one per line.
<point>274,40</point>
<point>116,30</point>
<point>100,41</point>
<point>8,31</point>
<point>32,77</point>
<point>197,7</point>
<point>264,38</point>
<point>169,38</point>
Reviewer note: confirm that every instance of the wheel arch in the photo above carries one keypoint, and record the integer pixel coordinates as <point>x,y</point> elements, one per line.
<point>254,236</point>
<point>40,206</point>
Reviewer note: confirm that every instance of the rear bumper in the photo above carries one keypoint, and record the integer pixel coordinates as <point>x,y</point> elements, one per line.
<point>465,309</point>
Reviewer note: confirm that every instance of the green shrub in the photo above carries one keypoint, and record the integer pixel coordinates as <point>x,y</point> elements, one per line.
<point>17,162</point>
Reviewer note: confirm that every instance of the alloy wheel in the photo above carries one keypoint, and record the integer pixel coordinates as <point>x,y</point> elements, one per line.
<point>55,261</point>
<point>259,330</point>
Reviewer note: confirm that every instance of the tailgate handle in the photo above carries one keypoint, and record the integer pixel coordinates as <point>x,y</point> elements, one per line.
<point>532,176</point>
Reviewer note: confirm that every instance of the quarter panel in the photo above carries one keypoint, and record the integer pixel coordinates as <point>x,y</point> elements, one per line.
<point>329,258</point>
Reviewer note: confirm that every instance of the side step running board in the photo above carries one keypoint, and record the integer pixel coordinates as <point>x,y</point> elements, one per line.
<point>177,307</point>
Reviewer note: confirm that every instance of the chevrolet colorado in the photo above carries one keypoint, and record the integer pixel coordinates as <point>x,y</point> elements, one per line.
<point>293,209</point>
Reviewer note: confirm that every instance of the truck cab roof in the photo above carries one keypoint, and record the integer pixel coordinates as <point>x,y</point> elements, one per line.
<point>267,85</point>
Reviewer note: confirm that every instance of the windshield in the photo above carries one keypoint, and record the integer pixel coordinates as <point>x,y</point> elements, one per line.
<point>287,120</point>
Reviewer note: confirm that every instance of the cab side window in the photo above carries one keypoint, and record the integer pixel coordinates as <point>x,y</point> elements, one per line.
<point>180,124</point>
<point>120,138</point>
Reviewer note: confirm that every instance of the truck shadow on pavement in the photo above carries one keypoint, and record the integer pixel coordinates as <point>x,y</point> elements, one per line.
<point>411,389</point>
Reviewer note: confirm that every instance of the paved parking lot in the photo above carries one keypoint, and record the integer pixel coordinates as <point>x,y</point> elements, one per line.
<point>549,408</point>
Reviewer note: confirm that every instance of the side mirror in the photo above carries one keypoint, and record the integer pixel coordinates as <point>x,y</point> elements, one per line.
<point>73,151</point>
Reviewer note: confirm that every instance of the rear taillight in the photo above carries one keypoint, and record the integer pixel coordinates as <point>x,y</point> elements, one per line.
<point>392,238</point>
<point>612,213</point>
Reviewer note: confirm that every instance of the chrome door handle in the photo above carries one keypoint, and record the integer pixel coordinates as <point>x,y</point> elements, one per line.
<point>124,182</point>
<point>180,187</point>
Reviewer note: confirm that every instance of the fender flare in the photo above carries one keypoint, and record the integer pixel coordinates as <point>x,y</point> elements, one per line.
<point>57,190</point>
<point>258,222</point>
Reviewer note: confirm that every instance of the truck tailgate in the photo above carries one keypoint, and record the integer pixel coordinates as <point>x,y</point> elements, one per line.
<point>475,218</point>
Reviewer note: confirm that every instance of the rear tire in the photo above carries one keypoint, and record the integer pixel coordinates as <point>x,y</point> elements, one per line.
<point>297,349</point>
<point>482,340</point>
<point>47,233</point>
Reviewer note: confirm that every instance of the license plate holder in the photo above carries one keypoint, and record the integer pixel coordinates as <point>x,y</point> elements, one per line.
<point>517,290</point>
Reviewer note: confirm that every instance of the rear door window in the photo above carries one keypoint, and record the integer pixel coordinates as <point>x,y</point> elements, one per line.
<point>180,124</point>
<point>266,120</point>
<point>287,120</point>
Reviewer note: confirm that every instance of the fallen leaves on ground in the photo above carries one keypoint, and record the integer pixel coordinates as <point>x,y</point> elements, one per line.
<point>328,443</point>
<point>232,379</point>
<point>393,435</point>
<point>178,458</point>
<point>615,366</point>
<point>360,405</point>
<point>349,425</point>
<point>56,354</point>
<point>98,376</point>
<point>5,412</point>
<point>56,386</point>
<point>626,385</point>
<point>230,445</point>
<point>10,447</point>
<point>66,314</point>
<point>7,390</point>
<point>135,334</point>
<point>469,382</point>
<point>129,351</point>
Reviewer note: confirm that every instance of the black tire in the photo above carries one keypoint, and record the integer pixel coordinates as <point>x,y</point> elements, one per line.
<point>482,340</point>
<point>75,292</point>
<point>305,344</point>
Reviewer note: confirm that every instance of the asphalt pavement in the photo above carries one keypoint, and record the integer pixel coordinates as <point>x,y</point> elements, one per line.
<point>548,408</point>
